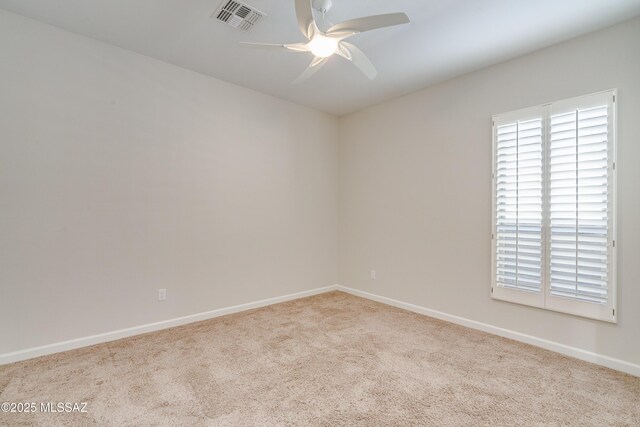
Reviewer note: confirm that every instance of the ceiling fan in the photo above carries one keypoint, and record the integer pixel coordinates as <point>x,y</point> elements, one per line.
<point>324,44</point>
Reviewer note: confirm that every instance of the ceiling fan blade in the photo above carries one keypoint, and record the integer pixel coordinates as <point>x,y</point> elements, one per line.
<point>315,65</point>
<point>317,61</point>
<point>360,25</point>
<point>306,22</point>
<point>357,58</point>
<point>296,47</point>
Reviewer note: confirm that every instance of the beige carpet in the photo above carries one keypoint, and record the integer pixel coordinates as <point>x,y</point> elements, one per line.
<point>332,359</point>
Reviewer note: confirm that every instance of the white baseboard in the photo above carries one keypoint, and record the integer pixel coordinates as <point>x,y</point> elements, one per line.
<point>44,350</point>
<point>598,359</point>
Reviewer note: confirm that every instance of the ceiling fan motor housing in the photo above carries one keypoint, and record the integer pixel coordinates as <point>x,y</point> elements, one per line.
<point>322,6</point>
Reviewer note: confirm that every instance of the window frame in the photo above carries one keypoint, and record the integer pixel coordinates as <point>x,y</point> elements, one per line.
<point>544,299</point>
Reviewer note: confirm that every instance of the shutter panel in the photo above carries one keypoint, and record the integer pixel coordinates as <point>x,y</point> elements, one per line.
<point>518,180</point>
<point>554,228</point>
<point>578,204</point>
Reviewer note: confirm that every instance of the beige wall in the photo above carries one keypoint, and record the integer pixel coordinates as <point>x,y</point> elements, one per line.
<point>120,175</point>
<point>415,189</point>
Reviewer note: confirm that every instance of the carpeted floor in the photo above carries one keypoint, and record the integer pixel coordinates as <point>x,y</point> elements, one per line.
<point>332,359</point>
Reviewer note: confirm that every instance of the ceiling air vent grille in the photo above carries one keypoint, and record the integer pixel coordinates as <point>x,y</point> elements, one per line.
<point>238,14</point>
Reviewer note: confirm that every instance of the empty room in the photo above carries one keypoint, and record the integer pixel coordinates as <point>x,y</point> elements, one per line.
<point>319,213</point>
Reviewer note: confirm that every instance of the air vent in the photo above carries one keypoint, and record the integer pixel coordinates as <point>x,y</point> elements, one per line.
<point>238,15</point>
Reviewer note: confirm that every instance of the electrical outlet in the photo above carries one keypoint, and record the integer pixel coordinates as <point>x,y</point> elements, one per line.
<point>162,294</point>
<point>373,275</point>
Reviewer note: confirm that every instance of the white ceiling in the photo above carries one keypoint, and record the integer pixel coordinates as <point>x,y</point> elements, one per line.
<point>445,38</point>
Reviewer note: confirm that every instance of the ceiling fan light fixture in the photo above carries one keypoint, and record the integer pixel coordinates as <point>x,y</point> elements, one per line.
<point>322,46</point>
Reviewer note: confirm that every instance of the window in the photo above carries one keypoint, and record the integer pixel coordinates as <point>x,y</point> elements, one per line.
<point>553,206</point>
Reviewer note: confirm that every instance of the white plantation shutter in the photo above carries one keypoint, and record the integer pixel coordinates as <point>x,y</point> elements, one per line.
<point>578,163</point>
<point>519,205</point>
<point>553,231</point>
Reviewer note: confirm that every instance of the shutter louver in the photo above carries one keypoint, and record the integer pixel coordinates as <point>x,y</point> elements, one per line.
<point>519,159</point>
<point>578,204</point>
